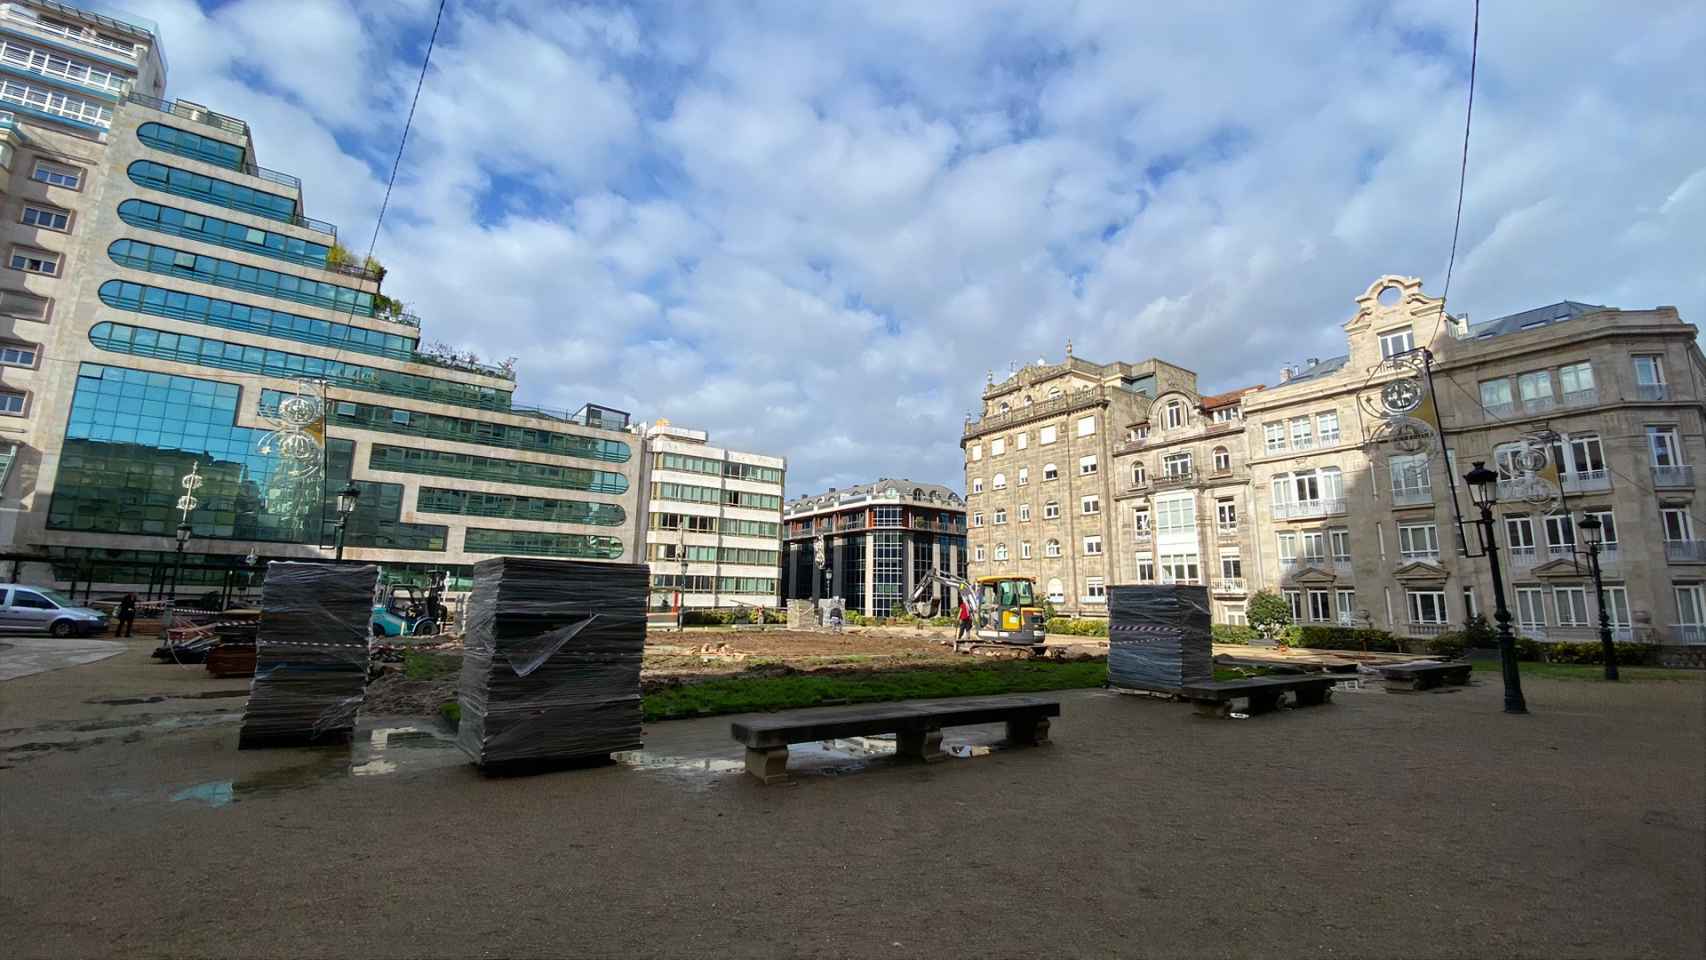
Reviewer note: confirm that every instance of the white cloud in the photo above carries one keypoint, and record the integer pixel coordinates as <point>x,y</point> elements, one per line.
<point>811,229</point>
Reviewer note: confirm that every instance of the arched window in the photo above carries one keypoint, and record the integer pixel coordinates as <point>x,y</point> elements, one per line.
<point>1052,549</point>
<point>1051,472</point>
<point>1175,414</point>
<point>1139,475</point>
<point>1056,591</point>
<point>1222,460</point>
<point>1005,407</point>
<point>1001,551</point>
<point>1024,475</point>
<point>1000,481</point>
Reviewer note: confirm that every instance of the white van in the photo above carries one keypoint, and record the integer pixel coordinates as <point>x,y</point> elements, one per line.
<point>45,610</point>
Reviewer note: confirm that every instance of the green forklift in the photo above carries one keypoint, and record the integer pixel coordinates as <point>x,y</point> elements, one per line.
<point>410,609</point>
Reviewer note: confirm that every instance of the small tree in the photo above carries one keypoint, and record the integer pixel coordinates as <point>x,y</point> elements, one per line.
<point>337,256</point>
<point>1269,614</point>
<point>1477,632</point>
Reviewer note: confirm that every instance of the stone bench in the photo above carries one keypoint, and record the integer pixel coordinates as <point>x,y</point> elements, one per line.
<point>1214,699</point>
<point>916,724</point>
<point>1423,676</point>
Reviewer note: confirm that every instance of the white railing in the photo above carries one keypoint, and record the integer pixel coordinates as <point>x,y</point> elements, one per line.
<point>1609,555</point>
<point>1581,398</point>
<point>1560,551</point>
<point>1685,551</point>
<point>95,40</point>
<point>1300,509</point>
<point>1425,629</point>
<point>1680,475</point>
<point>1342,566</point>
<point>1538,404</point>
<point>1141,536</point>
<point>1229,585</point>
<point>1583,480</point>
<point>1302,443</point>
<point>1326,440</point>
<point>1688,633</point>
<point>1652,391</point>
<point>1412,496</point>
<point>1523,556</point>
<point>1428,556</point>
<point>1499,411</point>
<point>1226,529</point>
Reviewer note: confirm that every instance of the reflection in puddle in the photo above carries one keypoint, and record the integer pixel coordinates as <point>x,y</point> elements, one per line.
<point>385,751</point>
<point>964,750</point>
<point>686,766</point>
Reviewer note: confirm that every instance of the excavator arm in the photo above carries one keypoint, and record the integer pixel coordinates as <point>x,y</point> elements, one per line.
<point>919,603</point>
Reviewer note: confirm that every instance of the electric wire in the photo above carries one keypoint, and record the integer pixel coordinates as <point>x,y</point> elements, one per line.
<point>1463,168</point>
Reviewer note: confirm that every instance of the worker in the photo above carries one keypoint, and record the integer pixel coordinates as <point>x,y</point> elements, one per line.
<point>965,619</point>
<point>126,615</point>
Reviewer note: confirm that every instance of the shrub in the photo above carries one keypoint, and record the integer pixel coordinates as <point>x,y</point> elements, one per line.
<point>1449,646</point>
<point>1477,632</point>
<point>1593,652</point>
<point>854,618</point>
<point>1321,637</point>
<point>1233,633</point>
<point>1527,649</point>
<point>1068,627</point>
<point>942,621</point>
<point>1268,613</point>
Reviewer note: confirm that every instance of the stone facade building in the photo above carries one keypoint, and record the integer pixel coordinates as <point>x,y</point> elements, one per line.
<point>879,540</point>
<point>1314,490</point>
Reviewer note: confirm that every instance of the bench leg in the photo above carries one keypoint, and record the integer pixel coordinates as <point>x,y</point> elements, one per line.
<point>925,745</point>
<point>1028,732</point>
<point>769,765</point>
<point>1213,708</point>
<point>1403,684</point>
<point>1458,678</point>
<point>1265,701</point>
<point>1313,696</point>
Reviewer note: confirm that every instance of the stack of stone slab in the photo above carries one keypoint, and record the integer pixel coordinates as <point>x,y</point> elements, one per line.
<point>310,654</point>
<point>1159,637</point>
<point>551,661</point>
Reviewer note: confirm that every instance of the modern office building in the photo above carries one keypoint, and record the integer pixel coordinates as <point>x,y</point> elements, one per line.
<point>1322,487</point>
<point>877,541</point>
<point>713,521</point>
<point>170,307</point>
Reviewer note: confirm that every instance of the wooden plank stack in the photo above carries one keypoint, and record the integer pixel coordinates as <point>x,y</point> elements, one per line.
<point>310,654</point>
<point>551,661</point>
<point>1159,637</point>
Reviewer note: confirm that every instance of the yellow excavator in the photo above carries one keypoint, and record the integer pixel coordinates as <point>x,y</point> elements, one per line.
<point>1006,616</point>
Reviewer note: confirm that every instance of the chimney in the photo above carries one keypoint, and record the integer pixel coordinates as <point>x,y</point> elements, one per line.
<point>1313,361</point>
<point>1285,373</point>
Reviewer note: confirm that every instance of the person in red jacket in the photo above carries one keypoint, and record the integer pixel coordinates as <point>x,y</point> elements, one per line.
<point>965,619</point>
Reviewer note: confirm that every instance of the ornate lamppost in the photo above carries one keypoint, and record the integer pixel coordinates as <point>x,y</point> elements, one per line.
<point>1593,531</point>
<point>347,498</point>
<point>1483,490</point>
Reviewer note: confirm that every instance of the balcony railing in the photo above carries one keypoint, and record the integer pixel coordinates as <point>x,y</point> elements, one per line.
<point>1499,411</point>
<point>1679,475</point>
<point>1418,556</point>
<point>1303,509</point>
<point>1424,629</point>
<point>1230,585</point>
<point>1141,536</point>
<point>1533,405</point>
<point>469,366</point>
<point>1226,531</point>
<point>91,40</point>
<point>1688,633</point>
<point>1561,551</point>
<point>1685,551</point>
<point>194,112</point>
<point>1412,496</point>
<point>1652,391</point>
<point>1581,398</point>
<point>1077,400</point>
<point>1524,556</point>
<point>1174,478</point>
<point>1585,480</point>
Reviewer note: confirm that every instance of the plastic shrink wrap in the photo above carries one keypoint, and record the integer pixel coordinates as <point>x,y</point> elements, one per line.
<point>310,654</point>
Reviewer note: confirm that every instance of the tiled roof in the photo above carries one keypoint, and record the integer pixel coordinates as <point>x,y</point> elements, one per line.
<point>1329,365</point>
<point>1229,398</point>
<point>1529,319</point>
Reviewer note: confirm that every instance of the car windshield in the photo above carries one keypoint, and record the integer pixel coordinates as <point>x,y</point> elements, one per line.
<point>57,597</point>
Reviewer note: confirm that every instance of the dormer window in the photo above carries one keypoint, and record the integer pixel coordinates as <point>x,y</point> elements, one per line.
<point>1175,415</point>
<point>1395,342</point>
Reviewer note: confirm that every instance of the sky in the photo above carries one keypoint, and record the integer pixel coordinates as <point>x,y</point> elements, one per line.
<point>813,229</point>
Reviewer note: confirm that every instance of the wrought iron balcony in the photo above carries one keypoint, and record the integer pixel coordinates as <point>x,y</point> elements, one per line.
<point>1226,531</point>
<point>1688,633</point>
<point>1685,551</point>
<point>1652,391</point>
<point>1304,509</point>
<point>1412,496</point>
<point>1524,556</point>
<point>1586,480</point>
<point>1581,398</point>
<point>1232,586</point>
<point>1678,475</point>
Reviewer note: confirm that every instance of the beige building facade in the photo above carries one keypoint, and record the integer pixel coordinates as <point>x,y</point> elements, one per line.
<point>1322,488</point>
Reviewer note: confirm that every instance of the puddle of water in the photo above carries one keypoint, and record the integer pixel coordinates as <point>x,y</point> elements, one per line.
<point>967,750</point>
<point>680,766</point>
<point>218,793</point>
<point>385,751</point>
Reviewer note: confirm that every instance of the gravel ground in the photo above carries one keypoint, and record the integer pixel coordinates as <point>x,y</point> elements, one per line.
<point>1382,825</point>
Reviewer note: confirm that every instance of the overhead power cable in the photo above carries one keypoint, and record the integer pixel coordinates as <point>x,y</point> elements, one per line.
<point>1463,168</point>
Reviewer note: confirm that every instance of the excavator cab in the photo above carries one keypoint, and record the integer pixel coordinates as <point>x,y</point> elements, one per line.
<point>1008,612</point>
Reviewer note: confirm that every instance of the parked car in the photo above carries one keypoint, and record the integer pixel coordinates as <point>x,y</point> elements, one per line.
<point>45,610</point>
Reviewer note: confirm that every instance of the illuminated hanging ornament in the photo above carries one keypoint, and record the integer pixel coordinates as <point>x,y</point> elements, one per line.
<point>293,442</point>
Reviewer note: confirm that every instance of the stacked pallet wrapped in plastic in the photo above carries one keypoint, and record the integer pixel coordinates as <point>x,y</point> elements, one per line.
<point>1159,637</point>
<point>551,661</point>
<point>310,654</point>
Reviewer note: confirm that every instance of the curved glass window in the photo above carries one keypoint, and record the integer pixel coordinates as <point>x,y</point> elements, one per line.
<point>227,273</point>
<point>527,542</point>
<point>414,423</point>
<point>186,144</point>
<point>237,236</point>
<point>194,308</point>
<point>207,352</point>
<point>438,463</point>
<point>158,176</point>
<point>465,503</point>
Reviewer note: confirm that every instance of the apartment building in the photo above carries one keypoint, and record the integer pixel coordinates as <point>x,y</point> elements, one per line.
<point>713,521</point>
<point>1182,496</point>
<point>1040,483</point>
<point>878,542</point>
<point>169,306</point>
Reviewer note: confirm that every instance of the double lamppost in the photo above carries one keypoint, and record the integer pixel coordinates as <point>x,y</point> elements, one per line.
<point>1484,491</point>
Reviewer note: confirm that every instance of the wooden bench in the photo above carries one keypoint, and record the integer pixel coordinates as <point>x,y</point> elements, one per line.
<point>916,724</point>
<point>1214,699</point>
<point>1424,676</point>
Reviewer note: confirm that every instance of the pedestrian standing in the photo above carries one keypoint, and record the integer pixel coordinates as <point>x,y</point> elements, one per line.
<point>127,615</point>
<point>965,619</point>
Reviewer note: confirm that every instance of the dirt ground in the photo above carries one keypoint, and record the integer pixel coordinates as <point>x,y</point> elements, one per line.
<point>1381,825</point>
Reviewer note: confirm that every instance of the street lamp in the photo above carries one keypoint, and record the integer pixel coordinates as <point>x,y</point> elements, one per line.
<point>184,534</point>
<point>346,506</point>
<point>1484,491</point>
<point>1593,531</point>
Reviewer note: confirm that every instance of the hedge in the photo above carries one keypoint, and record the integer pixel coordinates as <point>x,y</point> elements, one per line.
<point>1066,626</point>
<point>1317,637</point>
<point>1233,633</point>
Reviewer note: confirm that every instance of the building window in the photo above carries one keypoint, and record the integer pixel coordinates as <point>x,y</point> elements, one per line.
<point>1576,380</point>
<point>1086,426</point>
<point>1001,551</point>
<point>1000,481</point>
<point>1176,514</point>
<point>1176,464</point>
<point>1140,519</point>
<point>1662,441</point>
<point>1496,395</point>
<point>1535,388</point>
<point>1224,414</point>
<point>1677,523</point>
<point>1140,432</point>
<point>1274,433</point>
<point>57,175</point>
<point>1056,591</point>
<point>1093,546</point>
<point>1046,434</point>
<point>1530,607</point>
<point>1427,606</point>
<point>1394,342</point>
<point>1327,428</point>
<point>1410,476</point>
<point>977,485</point>
<point>977,519</point>
<point>1231,567</point>
<point>46,219</point>
<point>1024,476</point>
<point>1346,602</point>
<point>976,452</point>
<point>1617,606</point>
<point>1287,545</point>
<point>1024,513</point>
<point>1519,535</point>
<point>1086,466</point>
<point>1572,606</point>
<point>1096,589</point>
<point>1139,476</point>
<point>1000,516</point>
<point>23,305</point>
<point>1691,606</point>
<point>1179,568</point>
<point>1145,569</point>
<point>1649,370</point>
<point>1051,548</point>
<point>1233,614</point>
<point>17,355</point>
<point>1051,510</point>
<point>1470,607</point>
<point>1090,505</point>
<point>1226,515</point>
<point>11,403</point>
<point>1024,550</point>
<point>1561,534</point>
<point>997,447</point>
<point>1339,539</point>
<point>1295,599</point>
<point>1222,460</point>
<point>1175,415</point>
<point>31,260</point>
<point>1302,434</point>
<point>1050,472</point>
<point>1320,606</point>
<point>1418,542</point>
<point>978,553</point>
<point>1587,456</point>
<point>1020,440</point>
